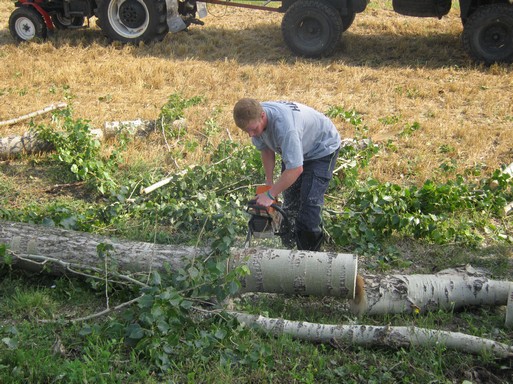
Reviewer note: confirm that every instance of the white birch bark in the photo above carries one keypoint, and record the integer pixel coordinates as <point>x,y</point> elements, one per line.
<point>366,335</point>
<point>272,270</point>
<point>50,108</point>
<point>451,289</point>
<point>27,143</point>
<point>298,272</point>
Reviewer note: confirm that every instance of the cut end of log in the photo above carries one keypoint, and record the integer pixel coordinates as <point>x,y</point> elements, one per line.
<point>358,305</point>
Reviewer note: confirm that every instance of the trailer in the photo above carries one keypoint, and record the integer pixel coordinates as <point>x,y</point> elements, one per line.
<point>310,28</point>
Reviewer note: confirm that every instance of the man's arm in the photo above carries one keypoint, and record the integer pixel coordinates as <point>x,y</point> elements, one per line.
<point>287,178</point>
<point>268,161</point>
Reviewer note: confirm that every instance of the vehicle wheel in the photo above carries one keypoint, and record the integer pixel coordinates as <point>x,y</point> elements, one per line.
<point>347,21</point>
<point>26,24</point>
<point>62,22</point>
<point>488,34</point>
<point>133,21</point>
<point>311,28</point>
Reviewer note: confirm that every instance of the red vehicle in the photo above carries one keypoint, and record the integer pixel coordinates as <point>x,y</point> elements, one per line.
<point>310,28</point>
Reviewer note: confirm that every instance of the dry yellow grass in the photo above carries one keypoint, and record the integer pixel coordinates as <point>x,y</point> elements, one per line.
<point>392,69</point>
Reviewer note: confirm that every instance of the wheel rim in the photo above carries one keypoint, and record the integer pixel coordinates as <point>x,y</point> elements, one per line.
<point>497,38</point>
<point>311,32</point>
<point>66,21</point>
<point>129,18</point>
<point>25,28</point>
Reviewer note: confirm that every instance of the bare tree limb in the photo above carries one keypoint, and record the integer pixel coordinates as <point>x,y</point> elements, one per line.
<point>368,336</point>
<point>50,108</point>
<point>76,269</point>
<point>97,314</point>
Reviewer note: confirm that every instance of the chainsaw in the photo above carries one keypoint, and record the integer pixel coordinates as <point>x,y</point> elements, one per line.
<point>265,222</point>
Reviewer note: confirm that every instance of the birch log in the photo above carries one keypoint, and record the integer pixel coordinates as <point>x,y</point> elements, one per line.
<point>29,142</point>
<point>272,270</point>
<point>454,288</point>
<point>366,335</point>
<point>298,272</point>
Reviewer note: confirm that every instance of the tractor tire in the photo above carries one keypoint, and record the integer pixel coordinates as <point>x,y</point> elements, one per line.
<point>311,28</point>
<point>347,21</point>
<point>27,24</point>
<point>488,34</point>
<point>62,22</point>
<point>133,21</point>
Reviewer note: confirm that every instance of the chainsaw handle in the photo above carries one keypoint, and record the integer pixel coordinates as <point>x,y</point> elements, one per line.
<point>254,205</point>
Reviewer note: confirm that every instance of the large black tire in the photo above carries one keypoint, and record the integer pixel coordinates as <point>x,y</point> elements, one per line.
<point>311,28</point>
<point>488,34</point>
<point>62,22</point>
<point>133,21</point>
<point>347,20</point>
<point>26,24</point>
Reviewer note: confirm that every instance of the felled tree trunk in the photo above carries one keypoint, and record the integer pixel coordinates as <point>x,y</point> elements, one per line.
<point>453,288</point>
<point>367,335</point>
<point>27,143</point>
<point>277,271</point>
<point>272,270</point>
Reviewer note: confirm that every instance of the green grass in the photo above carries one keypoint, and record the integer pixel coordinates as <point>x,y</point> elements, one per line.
<point>163,338</point>
<point>28,351</point>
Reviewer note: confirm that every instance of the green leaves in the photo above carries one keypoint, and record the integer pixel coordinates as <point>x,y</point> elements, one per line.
<point>78,150</point>
<point>12,340</point>
<point>456,211</point>
<point>134,332</point>
<point>175,316</point>
<point>172,111</point>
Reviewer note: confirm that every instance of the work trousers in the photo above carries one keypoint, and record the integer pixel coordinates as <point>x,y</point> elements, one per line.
<point>303,200</point>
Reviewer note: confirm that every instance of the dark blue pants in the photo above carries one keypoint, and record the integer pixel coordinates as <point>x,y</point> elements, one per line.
<point>303,200</point>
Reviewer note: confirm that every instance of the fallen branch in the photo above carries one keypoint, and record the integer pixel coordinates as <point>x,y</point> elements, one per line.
<point>106,311</point>
<point>167,180</point>
<point>27,143</point>
<point>370,336</point>
<point>50,108</point>
<point>76,269</point>
<point>271,271</point>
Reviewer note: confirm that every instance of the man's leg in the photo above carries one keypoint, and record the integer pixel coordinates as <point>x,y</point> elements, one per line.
<point>291,205</point>
<point>315,180</point>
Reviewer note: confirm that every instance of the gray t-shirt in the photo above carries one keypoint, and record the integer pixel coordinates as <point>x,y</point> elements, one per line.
<point>297,132</point>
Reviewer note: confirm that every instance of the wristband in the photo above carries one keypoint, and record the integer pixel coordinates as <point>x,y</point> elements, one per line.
<point>270,196</point>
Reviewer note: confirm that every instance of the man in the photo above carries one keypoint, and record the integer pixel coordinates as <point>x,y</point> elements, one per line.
<point>308,143</point>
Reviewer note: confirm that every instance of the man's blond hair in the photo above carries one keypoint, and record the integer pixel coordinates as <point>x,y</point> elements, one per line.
<point>245,111</point>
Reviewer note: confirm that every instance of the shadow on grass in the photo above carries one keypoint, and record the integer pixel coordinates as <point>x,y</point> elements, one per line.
<point>45,177</point>
<point>264,44</point>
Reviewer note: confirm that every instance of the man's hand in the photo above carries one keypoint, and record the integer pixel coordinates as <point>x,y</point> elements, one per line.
<point>264,200</point>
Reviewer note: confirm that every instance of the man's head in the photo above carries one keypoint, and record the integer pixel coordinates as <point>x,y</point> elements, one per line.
<point>250,116</point>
